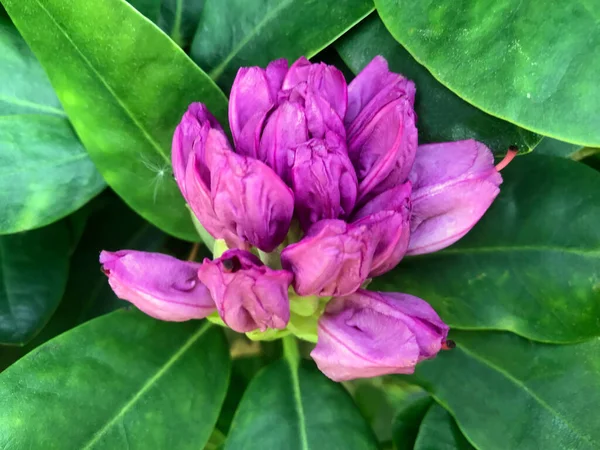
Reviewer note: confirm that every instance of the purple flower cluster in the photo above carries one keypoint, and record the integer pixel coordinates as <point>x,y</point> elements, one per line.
<point>326,180</point>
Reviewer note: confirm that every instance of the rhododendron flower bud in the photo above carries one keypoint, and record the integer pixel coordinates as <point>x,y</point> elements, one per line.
<point>368,334</point>
<point>320,79</point>
<point>454,183</point>
<point>285,129</point>
<point>333,258</point>
<point>161,286</point>
<point>251,200</point>
<point>253,95</point>
<point>323,180</point>
<point>381,132</point>
<point>387,219</point>
<point>248,294</point>
<point>235,198</point>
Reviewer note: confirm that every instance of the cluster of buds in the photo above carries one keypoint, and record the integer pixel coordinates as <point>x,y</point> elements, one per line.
<point>324,188</point>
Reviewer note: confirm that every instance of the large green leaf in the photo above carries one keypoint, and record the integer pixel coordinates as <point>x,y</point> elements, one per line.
<point>408,421</point>
<point>291,405</point>
<point>487,52</point>
<point>34,266</point>
<point>510,393</point>
<point>125,86</point>
<point>381,400</point>
<point>45,173</point>
<point>439,431</point>
<point>178,18</point>
<point>443,116</point>
<point>531,265</point>
<point>235,33</point>
<point>554,147</point>
<point>123,380</point>
<point>111,226</point>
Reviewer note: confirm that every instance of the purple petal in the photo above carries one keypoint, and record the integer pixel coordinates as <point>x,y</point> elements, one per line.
<point>161,286</point>
<point>382,137</point>
<point>248,294</point>
<point>250,200</point>
<point>323,180</point>
<point>198,188</point>
<point>321,118</point>
<point>374,87</point>
<point>334,258</point>
<point>297,74</point>
<point>322,79</point>
<point>387,217</point>
<point>190,137</point>
<point>454,184</point>
<point>370,334</point>
<point>253,95</point>
<point>285,129</point>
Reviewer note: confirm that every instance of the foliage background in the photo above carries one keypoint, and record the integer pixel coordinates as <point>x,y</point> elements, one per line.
<point>90,93</point>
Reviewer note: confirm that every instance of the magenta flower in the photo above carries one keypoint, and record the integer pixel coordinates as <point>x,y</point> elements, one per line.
<point>248,294</point>
<point>323,189</point>
<point>368,334</point>
<point>161,286</point>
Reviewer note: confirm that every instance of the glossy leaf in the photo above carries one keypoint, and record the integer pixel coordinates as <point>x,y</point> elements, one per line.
<point>88,293</point>
<point>236,33</point>
<point>123,380</point>
<point>178,18</point>
<point>442,115</point>
<point>124,99</point>
<point>381,399</point>
<point>554,147</point>
<point>439,431</point>
<point>34,266</point>
<point>294,406</point>
<point>45,173</point>
<point>485,51</point>
<point>508,392</point>
<point>408,421</point>
<point>531,265</point>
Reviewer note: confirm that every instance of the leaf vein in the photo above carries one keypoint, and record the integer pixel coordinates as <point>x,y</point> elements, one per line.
<point>147,385</point>
<point>145,133</point>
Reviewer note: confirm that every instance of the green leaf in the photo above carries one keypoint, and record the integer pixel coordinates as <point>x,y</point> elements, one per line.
<point>178,18</point>
<point>149,8</point>
<point>88,294</point>
<point>235,33</point>
<point>45,173</point>
<point>439,431</point>
<point>486,52</point>
<point>379,401</point>
<point>125,86</point>
<point>408,421</point>
<point>33,273</point>
<point>291,405</point>
<point>443,116</point>
<point>554,147</point>
<point>506,392</point>
<point>531,265</point>
<point>123,380</point>
<point>242,372</point>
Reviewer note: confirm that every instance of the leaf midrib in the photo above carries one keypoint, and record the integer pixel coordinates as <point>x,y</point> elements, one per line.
<point>531,393</point>
<point>129,114</point>
<point>38,167</point>
<point>38,106</point>
<point>148,384</point>
<point>218,71</point>
<point>293,366</point>
<point>508,249</point>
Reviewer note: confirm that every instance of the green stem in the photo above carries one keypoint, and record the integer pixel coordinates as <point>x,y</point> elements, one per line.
<point>290,350</point>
